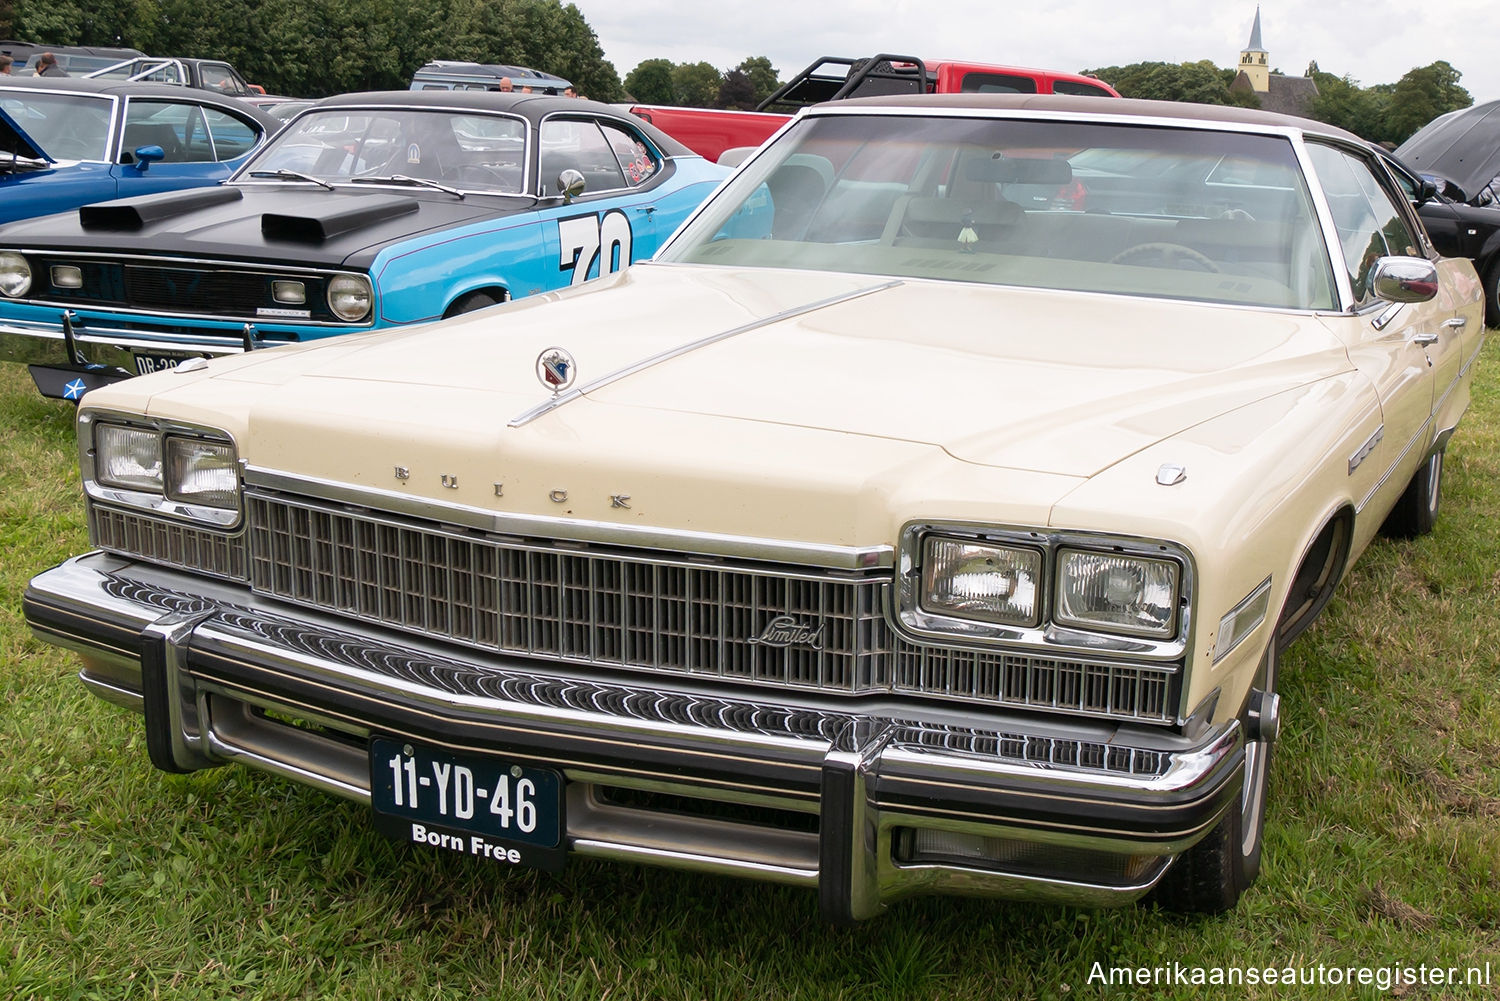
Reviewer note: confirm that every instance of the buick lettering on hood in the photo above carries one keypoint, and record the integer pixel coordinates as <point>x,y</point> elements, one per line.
<point>928,516</point>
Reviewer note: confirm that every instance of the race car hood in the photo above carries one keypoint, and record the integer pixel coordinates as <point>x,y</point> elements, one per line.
<point>15,141</point>
<point>290,223</point>
<point>1462,147</point>
<point>1032,380</point>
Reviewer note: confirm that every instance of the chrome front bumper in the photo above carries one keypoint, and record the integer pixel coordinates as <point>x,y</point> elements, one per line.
<point>99,355</point>
<point>1066,811</point>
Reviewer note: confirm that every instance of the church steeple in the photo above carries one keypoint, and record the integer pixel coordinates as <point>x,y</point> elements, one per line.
<point>1254,61</point>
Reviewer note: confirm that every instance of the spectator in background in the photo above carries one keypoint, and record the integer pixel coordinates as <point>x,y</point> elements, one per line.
<point>5,62</point>
<point>46,65</point>
<point>569,92</point>
<point>505,85</point>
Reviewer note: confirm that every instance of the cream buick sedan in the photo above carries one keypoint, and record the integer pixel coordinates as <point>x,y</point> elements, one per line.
<point>928,516</point>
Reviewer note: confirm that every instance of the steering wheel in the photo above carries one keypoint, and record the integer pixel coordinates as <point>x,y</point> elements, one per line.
<point>1165,255</point>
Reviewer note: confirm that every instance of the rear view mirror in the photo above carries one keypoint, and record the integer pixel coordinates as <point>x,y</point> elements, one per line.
<point>1001,169</point>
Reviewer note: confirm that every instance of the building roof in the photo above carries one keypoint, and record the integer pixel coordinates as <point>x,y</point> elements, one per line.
<point>1255,45</point>
<point>1286,95</point>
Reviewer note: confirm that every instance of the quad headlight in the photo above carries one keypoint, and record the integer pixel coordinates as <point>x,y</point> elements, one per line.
<point>977,580</point>
<point>350,297</point>
<point>1117,593</point>
<point>1029,586</point>
<point>15,275</point>
<point>174,474</point>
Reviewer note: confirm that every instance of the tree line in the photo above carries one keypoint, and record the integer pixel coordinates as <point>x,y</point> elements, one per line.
<point>314,48</point>
<point>1388,113</point>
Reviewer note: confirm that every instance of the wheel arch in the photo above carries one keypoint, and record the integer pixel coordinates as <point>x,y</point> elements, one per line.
<point>1316,577</point>
<point>494,290</point>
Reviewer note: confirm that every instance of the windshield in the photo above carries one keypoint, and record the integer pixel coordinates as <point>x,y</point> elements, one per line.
<point>474,152</point>
<point>1181,213</point>
<point>64,126</point>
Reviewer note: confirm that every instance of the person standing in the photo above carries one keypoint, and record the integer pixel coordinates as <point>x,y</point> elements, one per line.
<point>505,85</point>
<point>46,65</point>
<point>5,62</point>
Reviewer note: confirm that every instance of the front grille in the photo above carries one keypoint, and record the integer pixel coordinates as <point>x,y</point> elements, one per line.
<point>173,543</point>
<point>226,290</point>
<point>1131,691</point>
<point>194,290</point>
<point>825,631</point>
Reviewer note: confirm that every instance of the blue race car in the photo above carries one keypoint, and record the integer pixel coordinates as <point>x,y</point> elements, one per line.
<point>366,211</point>
<point>68,142</point>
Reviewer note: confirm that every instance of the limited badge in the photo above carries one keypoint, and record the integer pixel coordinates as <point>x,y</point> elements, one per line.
<point>555,369</point>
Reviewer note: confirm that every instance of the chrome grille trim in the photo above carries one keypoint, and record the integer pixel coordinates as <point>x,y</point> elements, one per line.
<point>599,608</point>
<point>659,613</point>
<point>1095,689</point>
<point>171,543</point>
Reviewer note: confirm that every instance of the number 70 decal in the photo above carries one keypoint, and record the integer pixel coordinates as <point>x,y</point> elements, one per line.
<point>584,239</point>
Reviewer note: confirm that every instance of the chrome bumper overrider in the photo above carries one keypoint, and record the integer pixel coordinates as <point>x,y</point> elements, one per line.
<point>890,798</point>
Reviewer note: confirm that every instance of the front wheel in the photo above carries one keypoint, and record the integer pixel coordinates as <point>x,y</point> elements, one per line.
<point>1209,877</point>
<point>472,301</point>
<point>1416,512</point>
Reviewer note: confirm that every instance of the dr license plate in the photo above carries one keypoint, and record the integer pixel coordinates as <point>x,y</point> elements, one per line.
<point>467,804</point>
<point>145,364</point>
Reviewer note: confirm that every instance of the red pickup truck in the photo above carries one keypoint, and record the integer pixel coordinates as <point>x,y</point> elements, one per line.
<point>710,132</point>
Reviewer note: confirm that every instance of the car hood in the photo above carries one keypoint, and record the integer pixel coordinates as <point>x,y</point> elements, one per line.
<point>1462,147</point>
<point>290,223</point>
<point>1046,382</point>
<point>15,140</point>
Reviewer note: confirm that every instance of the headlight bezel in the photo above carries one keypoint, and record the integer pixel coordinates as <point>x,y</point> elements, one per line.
<point>24,284</point>
<point>366,288</point>
<point>923,624</point>
<point>163,499</point>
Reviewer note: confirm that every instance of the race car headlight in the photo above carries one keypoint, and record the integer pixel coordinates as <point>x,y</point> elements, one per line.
<point>350,297</point>
<point>981,581</point>
<point>129,458</point>
<point>15,275</point>
<point>201,472</point>
<point>1117,593</point>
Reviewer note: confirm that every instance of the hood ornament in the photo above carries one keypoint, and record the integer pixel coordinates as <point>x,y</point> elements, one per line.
<point>556,370</point>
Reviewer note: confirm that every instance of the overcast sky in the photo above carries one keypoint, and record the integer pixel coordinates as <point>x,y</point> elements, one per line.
<point>1373,41</point>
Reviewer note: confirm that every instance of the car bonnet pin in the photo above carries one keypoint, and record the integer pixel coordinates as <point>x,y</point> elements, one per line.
<point>556,369</point>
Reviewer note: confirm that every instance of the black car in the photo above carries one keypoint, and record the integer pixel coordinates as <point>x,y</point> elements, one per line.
<point>1460,153</point>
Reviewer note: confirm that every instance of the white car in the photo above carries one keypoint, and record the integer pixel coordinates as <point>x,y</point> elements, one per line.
<point>885,534</point>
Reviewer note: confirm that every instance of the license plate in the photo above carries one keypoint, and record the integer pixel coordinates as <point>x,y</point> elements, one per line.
<point>468,804</point>
<point>145,364</point>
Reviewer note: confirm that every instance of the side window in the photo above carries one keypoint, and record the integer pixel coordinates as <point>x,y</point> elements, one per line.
<point>997,83</point>
<point>1369,223</point>
<point>577,144</point>
<point>223,78</point>
<point>232,137</point>
<point>635,158</point>
<point>1075,87</point>
<point>178,129</point>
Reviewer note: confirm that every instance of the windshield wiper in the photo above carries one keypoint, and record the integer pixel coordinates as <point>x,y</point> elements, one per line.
<point>406,179</point>
<point>291,175</point>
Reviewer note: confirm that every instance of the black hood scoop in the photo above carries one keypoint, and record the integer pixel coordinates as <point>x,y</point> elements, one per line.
<point>129,214</point>
<point>342,215</point>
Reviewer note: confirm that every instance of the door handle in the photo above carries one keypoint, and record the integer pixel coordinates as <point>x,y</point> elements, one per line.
<point>1456,322</point>
<point>1424,339</point>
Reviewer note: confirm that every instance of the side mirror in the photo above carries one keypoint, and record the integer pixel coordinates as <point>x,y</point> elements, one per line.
<point>145,156</point>
<point>1404,279</point>
<point>1427,190</point>
<point>570,183</point>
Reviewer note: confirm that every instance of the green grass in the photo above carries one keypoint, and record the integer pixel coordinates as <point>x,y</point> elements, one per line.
<point>117,881</point>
